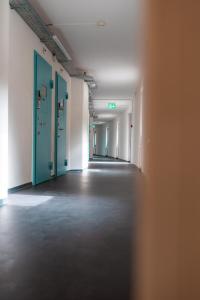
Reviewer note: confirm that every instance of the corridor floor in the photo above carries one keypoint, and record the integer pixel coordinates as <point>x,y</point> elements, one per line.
<point>70,238</point>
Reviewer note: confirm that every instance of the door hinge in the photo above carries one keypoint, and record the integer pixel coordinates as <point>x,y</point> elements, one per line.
<point>66,163</point>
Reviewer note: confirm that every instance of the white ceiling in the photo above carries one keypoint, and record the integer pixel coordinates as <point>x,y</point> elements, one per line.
<point>109,53</point>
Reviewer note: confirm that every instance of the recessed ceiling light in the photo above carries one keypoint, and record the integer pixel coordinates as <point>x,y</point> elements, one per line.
<point>101,23</point>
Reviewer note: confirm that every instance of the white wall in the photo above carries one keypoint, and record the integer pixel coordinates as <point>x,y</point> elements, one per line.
<point>136,135</point>
<point>85,126</point>
<point>79,141</point>
<point>4,34</point>
<point>22,44</point>
<point>123,137</point>
<point>101,139</point>
<point>112,138</point>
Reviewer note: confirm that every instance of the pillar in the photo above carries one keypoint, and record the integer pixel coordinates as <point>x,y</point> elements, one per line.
<point>79,125</point>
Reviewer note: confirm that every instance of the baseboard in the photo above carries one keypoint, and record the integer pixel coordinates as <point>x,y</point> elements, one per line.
<point>122,160</point>
<point>112,157</point>
<point>75,170</point>
<point>20,187</point>
<point>136,167</point>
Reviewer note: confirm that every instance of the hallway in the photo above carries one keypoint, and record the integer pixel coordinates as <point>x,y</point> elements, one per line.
<point>99,99</point>
<point>70,238</point>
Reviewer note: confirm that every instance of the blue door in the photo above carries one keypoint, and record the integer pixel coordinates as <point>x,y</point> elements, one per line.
<point>60,125</point>
<point>42,120</point>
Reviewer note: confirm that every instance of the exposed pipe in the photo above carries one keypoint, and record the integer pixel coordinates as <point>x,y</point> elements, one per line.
<point>28,13</point>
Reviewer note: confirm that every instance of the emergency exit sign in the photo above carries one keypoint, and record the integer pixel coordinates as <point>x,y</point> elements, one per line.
<point>112,105</point>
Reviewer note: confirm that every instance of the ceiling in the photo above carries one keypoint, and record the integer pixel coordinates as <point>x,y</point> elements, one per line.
<point>109,53</point>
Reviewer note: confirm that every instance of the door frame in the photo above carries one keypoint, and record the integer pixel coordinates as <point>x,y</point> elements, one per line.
<point>56,123</point>
<point>34,144</point>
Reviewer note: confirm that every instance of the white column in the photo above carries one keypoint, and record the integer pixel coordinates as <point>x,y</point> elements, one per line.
<point>4,35</point>
<point>79,125</point>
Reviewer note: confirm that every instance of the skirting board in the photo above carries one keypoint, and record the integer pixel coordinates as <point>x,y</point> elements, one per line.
<point>20,187</point>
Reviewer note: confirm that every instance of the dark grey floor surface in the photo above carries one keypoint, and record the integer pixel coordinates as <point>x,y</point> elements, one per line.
<point>70,238</point>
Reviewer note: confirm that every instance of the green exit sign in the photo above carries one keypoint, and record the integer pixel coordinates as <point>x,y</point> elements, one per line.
<point>112,105</point>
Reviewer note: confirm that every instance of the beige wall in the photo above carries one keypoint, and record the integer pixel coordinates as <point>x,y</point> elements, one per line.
<point>169,253</point>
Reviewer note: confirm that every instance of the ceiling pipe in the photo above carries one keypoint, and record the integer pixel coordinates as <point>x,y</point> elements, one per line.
<point>35,22</point>
<point>28,13</point>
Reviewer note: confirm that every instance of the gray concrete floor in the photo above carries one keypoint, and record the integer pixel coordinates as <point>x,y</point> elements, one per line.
<point>70,238</point>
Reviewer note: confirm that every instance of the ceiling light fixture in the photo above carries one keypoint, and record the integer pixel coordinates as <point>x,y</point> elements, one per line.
<point>61,47</point>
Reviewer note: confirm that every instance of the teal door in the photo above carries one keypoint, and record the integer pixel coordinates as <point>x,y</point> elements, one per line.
<point>60,125</point>
<point>42,120</point>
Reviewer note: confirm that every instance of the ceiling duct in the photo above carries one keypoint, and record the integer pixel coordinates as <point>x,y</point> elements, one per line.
<point>87,78</point>
<point>83,75</point>
<point>35,22</point>
<point>28,13</point>
<point>90,81</point>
